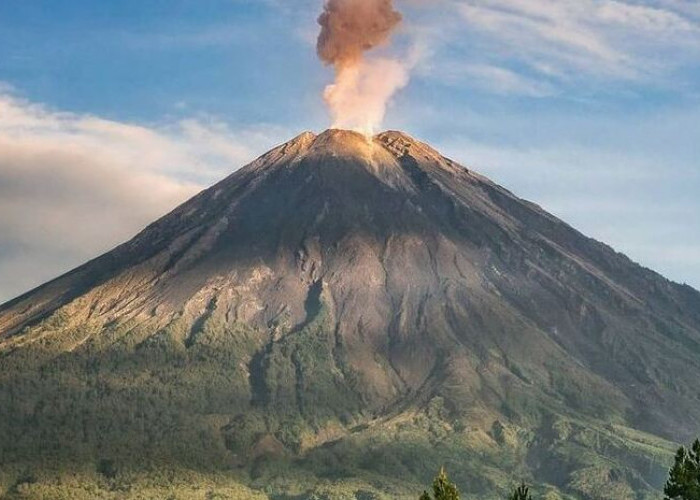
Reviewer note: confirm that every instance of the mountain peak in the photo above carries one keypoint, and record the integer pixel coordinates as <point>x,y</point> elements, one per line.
<point>382,152</point>
<point>305,138</point>
<point>343,142</point>
<point>341,284</point>
<point>349,143</point>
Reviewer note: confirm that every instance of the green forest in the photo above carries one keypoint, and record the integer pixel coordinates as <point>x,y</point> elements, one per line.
<point>141,416</point>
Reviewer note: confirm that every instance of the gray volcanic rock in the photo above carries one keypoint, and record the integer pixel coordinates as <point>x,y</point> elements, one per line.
<point>352,283</point>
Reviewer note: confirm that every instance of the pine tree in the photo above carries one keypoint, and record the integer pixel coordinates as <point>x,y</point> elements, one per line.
<point>522,492</point>
<point>443,489</point>
<point>684,477</point>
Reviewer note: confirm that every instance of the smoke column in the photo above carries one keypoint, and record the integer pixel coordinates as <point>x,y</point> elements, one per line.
<point>363,86</point>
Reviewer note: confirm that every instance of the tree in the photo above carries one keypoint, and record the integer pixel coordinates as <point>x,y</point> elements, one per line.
<point>443,489</point>
<point>522,492</point>
<point>684,477</point>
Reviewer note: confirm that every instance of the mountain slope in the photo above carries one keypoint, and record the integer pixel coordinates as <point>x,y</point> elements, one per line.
<point>343,294</point>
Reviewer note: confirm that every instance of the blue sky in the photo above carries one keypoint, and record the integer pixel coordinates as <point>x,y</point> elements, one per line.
<point>112,112</point>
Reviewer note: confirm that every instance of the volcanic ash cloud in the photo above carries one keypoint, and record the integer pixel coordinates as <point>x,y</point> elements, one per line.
<point>363,86</point>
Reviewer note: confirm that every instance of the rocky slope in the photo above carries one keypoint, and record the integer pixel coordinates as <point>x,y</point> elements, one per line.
<point>343,294</point>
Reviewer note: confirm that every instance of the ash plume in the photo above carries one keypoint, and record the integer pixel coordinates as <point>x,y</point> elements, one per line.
<point>349,28</point>
<point>363,86</point>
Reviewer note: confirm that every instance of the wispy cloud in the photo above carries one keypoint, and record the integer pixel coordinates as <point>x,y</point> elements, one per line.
<point>74,185</point>
<point>541,42</point>
<point>488,77</point>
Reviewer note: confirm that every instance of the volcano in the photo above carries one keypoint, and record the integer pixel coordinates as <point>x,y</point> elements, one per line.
<point>340,318</point>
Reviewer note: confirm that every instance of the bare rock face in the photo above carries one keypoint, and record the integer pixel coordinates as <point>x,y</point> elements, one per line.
<point>341,282</point>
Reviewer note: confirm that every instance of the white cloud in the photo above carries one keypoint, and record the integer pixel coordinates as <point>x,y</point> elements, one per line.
<point>571,40</point>
<point>487,77</point>
<point>72,186</point>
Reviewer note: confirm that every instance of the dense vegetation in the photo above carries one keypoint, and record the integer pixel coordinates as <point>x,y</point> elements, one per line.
<point>443,489</point>
<point>144,416</point>
<point>684,478</point>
